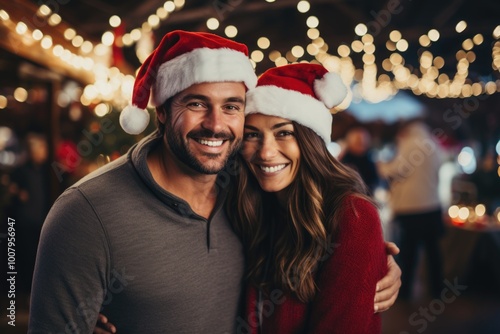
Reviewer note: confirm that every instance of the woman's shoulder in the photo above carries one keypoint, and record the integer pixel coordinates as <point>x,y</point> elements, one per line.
<point>357,205</point>
<point>358,215</point>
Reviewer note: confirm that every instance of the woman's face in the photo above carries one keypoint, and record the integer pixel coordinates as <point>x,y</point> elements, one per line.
<point>271,151</point>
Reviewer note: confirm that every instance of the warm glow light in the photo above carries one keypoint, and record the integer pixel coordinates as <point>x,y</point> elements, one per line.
<point>20,94</point>
<point>108,38</point>
<point>424,40</point>
<point>87,47</point>
<point>44,10</point>
<point>478,39</point>
<point>169,6</point>
<point>313,50</point>
<point>212,23</point>
<point>257,56</point>
<point>263,43</point>
<point>69,34</point>
<point>480,210</point>
<point>3,102</point>
<point>367,39</point>
<point>77,41</point>
<point>4,15</point>
<point>37,35</point>
<point>127,39</point>
<point>162,13</point>
<point>100,49</point>
<point>136,34</point>
<point>303,6</point>
<point>463,213</point>
<point>471,56</point>
<point>343,50</point>
<point>274,55</point>
<point>313,33</point>
<point>281,61</point>
<point>231,31</point>
<point>361,29</point>
<point>433,35</point>
<point>453,211</point>
<point>357,46</point>
<point>101,109</point>
<point>496,32</point>
<point>21,28</point>
<point>402,45</point>
<point>115,21</point>
<point>395,36</point>
<point>57,50</point>
<point>461,26</point>
<point>312,22</point>
<point>467,44</point>
<point>54,19</point>
<point>438,62</point>
<point>153,20</point>
<point>390,45</point>
<point>179,3</point>
<point>396,59</point>
<point>368,58</point>
<point>490,88</point>
<point>297,51</point>
<point>290,57</point>
<point>46,42</point>
<point>369,48</point>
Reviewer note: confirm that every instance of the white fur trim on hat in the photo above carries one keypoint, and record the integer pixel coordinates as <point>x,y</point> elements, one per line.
<point>330,89</point>
<point>290,104</point>
<point>202,65</point>
<point>134,120</point>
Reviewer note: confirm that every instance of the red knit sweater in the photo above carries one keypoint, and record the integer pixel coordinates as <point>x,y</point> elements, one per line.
<point>346,284</point>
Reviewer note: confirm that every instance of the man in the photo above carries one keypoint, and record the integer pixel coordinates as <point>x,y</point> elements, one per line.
<point>146,237</point>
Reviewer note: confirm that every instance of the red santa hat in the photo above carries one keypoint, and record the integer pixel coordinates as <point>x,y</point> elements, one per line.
<point>303,93</point>
<point>181,60</point>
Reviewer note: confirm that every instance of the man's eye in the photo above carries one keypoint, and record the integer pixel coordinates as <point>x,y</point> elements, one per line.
<point>195,106</point>
<point>232,108</point>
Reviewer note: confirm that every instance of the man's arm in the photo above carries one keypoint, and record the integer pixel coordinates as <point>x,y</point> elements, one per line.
<point>72,269</point>
<point>388,287</point>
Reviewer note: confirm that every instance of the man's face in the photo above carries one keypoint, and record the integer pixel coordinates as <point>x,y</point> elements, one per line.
<point>205,125</point>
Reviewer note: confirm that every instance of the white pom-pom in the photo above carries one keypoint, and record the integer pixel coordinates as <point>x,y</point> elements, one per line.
<point>330,89</point>
<point>134,120</point>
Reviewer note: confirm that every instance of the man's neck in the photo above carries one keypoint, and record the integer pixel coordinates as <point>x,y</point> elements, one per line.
<point>198,190</point>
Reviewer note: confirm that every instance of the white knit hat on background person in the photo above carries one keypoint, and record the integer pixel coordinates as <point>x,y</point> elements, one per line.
<point>181,60</point>
<point>303,93</point>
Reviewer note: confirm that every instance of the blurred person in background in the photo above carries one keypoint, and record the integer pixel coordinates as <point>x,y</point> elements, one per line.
<point>30,202</point>
<point>413,177</point>
<point>357,155</point>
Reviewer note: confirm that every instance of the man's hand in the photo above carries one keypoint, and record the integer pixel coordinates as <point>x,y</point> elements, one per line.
<point>103,326</point>
<point>388,287</point>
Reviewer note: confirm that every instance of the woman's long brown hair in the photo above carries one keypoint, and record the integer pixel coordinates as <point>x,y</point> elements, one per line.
<point>297,237</point>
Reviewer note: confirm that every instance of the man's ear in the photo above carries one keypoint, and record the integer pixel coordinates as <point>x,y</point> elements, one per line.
<point>161,114</point>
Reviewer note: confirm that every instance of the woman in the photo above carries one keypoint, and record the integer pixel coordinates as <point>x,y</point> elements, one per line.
<point>313,238</point>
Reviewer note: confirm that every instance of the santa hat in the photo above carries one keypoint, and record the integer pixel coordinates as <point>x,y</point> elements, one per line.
<point>303,93</point>
<point>181,60</point>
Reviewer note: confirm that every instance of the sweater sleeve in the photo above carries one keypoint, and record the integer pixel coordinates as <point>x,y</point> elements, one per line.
<point>72,269</point>
<point>347,279</point>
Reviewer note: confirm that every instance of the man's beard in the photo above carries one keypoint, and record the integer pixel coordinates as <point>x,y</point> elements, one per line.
<point>180,149</point>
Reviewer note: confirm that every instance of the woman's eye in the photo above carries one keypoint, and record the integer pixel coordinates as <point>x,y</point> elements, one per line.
<point>250,135</point>
<point>285,133</point>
